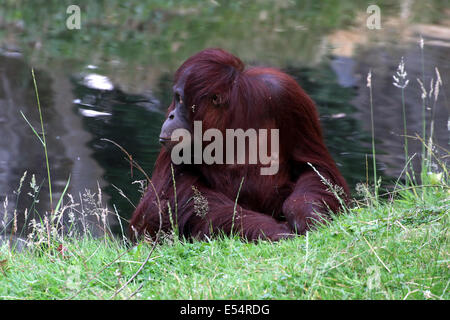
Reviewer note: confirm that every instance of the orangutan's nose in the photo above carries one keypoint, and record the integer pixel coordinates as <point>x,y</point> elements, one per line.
<point>163,140</point>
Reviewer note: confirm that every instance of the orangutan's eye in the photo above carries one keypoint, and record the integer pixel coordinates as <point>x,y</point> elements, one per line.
<point>178,98</point>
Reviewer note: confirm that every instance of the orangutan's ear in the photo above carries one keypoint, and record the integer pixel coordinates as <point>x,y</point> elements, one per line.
<point>216,99</point>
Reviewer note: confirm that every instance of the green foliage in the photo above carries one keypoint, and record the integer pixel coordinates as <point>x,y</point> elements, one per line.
<point>397,250</point>
<point>165,32</point>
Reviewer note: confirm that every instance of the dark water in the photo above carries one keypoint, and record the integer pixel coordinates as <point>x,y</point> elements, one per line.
<point>85,102</point>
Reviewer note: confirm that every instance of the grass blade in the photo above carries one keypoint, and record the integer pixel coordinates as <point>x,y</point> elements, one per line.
<point>32,128</point>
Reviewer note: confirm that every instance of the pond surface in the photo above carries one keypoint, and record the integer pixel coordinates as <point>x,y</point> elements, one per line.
<point>112,80</point>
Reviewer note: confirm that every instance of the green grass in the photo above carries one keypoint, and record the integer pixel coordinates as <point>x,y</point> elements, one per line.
<point>394,250</point>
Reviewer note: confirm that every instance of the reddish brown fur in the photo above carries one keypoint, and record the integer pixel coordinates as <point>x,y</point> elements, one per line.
<point>268,207</point>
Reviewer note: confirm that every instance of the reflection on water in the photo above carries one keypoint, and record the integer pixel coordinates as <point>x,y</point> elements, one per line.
<point>130,121</point>
<point>21,151</point>
<point>83,105</point>
<point>388,104</point>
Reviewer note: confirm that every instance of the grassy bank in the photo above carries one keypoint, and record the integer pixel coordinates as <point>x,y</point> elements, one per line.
<point>392,250</point>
